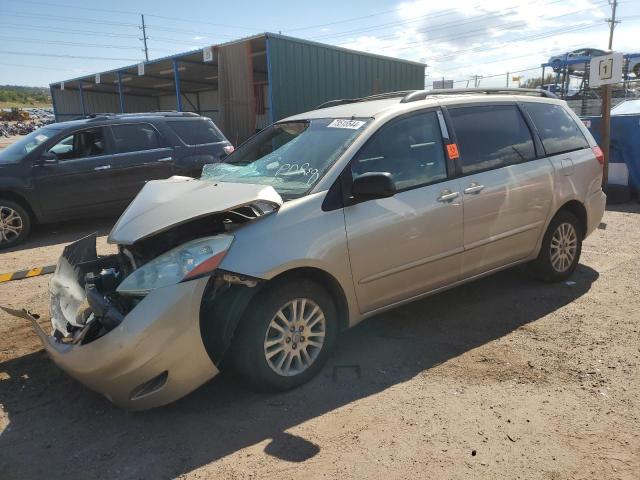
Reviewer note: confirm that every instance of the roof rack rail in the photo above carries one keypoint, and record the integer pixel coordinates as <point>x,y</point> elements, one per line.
<point>378,96</point>
<point>422,94</point>
<point>155,113</point>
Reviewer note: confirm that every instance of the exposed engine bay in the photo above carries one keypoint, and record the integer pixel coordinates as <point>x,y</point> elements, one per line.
<point>103,307</point>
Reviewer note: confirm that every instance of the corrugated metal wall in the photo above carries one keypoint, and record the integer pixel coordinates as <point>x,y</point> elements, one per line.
<point>235,86</point>
<point>68,104</point>
<point>303,75</point>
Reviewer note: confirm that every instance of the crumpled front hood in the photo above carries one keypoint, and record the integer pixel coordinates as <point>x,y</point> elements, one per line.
<point>162,204</point>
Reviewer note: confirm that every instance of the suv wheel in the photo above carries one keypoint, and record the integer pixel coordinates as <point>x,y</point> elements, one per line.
<point>286,337</point>
<point>15,224</point>
<point>561,247</point>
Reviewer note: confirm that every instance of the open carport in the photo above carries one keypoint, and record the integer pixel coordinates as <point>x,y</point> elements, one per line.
<point>242,85</point>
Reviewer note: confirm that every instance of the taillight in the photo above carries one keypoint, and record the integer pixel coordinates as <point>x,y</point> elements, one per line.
<point>228,149</point>
<point>597,151</point>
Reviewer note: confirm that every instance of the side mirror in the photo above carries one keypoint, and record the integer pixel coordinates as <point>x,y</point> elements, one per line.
<point>48,158</point>
<point>372,185</point>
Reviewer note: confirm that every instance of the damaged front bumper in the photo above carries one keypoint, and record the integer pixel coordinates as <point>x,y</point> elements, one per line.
<point>154,356</point>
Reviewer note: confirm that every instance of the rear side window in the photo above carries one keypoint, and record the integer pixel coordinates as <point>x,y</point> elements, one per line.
<point>196,132</point>
<point>491,136</point>
<point>410,149</point>
<point>557,129</point>
<point>135,137</point>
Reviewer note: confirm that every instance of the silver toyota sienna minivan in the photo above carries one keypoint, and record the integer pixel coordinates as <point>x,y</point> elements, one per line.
<point>317,222</point>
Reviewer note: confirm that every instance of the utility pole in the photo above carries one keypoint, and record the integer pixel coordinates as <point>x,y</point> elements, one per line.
<point>507,85</point>
<point>144,38</point>
<point>606,103</point>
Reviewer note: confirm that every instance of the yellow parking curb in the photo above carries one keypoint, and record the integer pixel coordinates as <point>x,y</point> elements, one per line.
<point>22,274</point>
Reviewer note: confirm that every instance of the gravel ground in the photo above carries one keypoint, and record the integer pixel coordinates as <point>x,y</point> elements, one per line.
<point>502,378</point>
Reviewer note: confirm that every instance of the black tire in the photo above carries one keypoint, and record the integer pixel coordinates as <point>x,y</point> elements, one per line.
<point>543,266</point>
<point>248,349</point>
<point>24,220</point>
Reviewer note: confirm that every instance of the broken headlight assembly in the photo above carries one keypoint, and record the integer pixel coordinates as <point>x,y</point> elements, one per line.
<point>191,260</point>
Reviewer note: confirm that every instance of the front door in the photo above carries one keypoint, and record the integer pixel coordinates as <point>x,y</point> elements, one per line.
<point>77,184</point>
<point>507,185</point>
<point>409,244</point>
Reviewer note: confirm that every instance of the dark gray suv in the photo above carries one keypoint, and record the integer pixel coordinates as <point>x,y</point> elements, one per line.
<point>95,166</point>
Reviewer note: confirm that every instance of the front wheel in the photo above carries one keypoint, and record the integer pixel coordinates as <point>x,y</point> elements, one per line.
<point>560,250</point>
<point>15,224</point>
<point>286,336</point>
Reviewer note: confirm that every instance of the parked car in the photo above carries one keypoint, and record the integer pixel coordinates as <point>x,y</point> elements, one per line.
<point>96,166</point>
<point>314,224</point>
<point>583,55</point>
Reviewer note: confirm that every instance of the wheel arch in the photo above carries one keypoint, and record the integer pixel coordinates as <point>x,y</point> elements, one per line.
<point>578,209</point>
<point>19,199</point>
<point>223,306</point>
<point>326,281</point>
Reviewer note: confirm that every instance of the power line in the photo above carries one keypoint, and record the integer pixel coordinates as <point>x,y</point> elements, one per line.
<point>68,31</point>
<point>64,18</point>
<point>73,44</point>
<point>352,19</point>
<point>130,12</point>
<point>30,54</point>
<point>440,13</point>
<point>537,36</point>
<point>35,67</point>
<point>474,32</point>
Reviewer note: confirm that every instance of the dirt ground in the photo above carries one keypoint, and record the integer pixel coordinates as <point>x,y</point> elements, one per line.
<point>502,378</point>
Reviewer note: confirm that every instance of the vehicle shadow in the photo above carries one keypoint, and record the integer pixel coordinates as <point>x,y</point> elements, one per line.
<point>64,232</point>
<point>59,429</point>
<point>628,207</point>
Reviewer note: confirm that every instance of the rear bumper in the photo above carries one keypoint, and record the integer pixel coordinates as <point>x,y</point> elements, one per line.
<point>595,205</point>
<point>158,343</point>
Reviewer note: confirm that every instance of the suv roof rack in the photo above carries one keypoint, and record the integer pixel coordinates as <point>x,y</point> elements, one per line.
<point>415,95</point>
<point>378,96</point>
<point>155,113</point>
<point>422,94</point>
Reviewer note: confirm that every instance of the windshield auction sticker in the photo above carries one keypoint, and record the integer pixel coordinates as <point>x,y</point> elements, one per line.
<point>351,124</point>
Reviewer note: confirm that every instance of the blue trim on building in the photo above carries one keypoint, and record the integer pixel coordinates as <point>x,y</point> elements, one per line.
<point>81,91</point>
<point>176,80</point>
<point>120,92</point>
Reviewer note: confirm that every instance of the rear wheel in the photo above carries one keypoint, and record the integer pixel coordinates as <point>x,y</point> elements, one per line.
<point>286,337</point>
<point>15,223</point>
<point>561,247</point>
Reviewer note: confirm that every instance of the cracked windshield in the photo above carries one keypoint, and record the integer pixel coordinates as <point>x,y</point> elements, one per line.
<point>290,156</point>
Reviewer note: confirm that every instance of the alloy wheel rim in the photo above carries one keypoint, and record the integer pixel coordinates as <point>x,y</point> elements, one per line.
<point>10,224</point>
<point>564,245</point>
<point>295,336</point>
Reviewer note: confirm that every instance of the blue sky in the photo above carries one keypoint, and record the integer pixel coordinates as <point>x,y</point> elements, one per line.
<point>51,40</point>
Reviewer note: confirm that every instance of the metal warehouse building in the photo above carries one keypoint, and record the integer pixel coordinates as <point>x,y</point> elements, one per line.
<point>242,85</point>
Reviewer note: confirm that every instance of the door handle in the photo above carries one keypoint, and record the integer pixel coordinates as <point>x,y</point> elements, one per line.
<point>165,159</point>
<point>473,188</point>
<point>448,196</point>
<point>103,167</point>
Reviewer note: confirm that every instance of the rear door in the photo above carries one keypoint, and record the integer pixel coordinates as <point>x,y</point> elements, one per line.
<point>409,244</point>
<point>78,183</point>
<point>141,155</point>
<point>507,185</point>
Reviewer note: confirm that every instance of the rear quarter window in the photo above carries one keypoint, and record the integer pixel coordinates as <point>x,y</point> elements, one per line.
<point>557,128</point>
<point>196,132</point>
